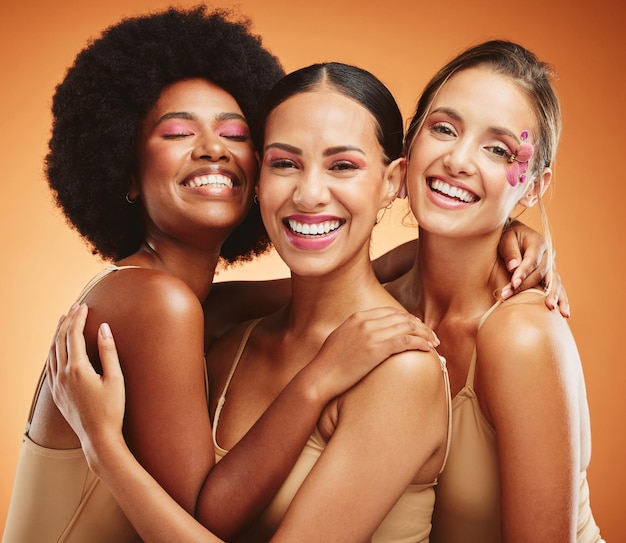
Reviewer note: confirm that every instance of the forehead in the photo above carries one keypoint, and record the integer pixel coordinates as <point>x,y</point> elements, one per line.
<point>195,94</point>
<point>325,111</point>
<point>481,94</point>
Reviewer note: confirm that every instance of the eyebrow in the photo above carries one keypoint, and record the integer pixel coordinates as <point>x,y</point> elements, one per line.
<point>186,116</point>
<point>496,130</point>
<point>327,152</point>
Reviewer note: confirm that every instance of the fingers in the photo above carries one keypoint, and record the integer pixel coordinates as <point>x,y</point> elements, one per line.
<point>58,362</point>
<point>556,295</point>
<point>75,340</point>
<point>108,353</point>
<point>51,363</point>
<point>530,273</point>
<point>394,330</point>
<point>509,249</point>
<point>408,332</point>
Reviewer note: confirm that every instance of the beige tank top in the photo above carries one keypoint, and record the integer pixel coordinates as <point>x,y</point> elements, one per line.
<point>467,508</point>
<point>408,522</point>
<point>56,498</point>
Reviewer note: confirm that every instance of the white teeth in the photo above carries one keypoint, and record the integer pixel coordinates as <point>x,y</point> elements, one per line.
<point>452,192</point>
<point>214,179</point>
<point>317,229</point>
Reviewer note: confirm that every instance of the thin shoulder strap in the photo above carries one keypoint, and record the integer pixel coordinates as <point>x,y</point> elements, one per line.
<point>222,399</point>
<point>83,294</point>
<point>446,381</point>
<point>472,369</point>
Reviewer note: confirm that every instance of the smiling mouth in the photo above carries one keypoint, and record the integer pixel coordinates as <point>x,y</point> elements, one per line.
<point>312,229</point>
<point>456,193</point>
<point>211,180</point>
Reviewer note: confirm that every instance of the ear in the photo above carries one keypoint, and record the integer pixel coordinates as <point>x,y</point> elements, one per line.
<point>537,188</point>
<point>393,180</point>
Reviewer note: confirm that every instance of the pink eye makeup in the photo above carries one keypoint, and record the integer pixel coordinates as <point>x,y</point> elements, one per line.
<point>175,128</point>
<point>234,130</point>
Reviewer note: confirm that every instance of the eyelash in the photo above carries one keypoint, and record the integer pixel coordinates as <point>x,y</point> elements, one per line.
<point>177,135</point>
<point>285,163</point>
<point>281,163</point>
<point>343,165</point>
<point>446,129</point>
<point>443,128</point>
<point>236,137</point>
<point>500,152</point>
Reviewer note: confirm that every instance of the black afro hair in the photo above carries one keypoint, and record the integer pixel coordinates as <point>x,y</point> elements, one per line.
<point>114,82</point>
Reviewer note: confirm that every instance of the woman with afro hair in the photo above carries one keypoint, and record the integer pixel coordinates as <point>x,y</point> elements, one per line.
<point>151,160</point>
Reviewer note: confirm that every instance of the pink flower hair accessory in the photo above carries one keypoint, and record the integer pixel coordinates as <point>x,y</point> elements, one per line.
<point>517,163</point>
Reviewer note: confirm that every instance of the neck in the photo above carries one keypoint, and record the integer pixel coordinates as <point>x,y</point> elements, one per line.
<point>456,275</point>
<point>193,265</point>
<point>323,302</point>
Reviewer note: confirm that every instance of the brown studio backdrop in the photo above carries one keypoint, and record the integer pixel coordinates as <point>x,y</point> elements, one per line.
<point>46,264</point>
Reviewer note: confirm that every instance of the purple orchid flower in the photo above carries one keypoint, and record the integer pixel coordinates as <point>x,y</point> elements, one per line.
<point>517,163</point>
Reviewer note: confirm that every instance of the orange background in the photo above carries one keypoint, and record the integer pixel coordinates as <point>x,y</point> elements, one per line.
<point>403,42</point>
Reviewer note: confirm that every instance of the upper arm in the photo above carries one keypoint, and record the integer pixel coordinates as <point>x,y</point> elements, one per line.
<point>387,428</point>
<point>396,262</point>
<point>159,336</point>
<point>232,302</point>
<point>528,380</point>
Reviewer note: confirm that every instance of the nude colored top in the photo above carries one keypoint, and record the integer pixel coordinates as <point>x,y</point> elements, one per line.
<point>408,522</point>
<point>467,509</point>
<point>56,498</point>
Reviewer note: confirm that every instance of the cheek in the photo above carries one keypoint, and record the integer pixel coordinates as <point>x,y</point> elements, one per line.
<point>271,194</point>
<point>247,158</point>
<point>157,160</point>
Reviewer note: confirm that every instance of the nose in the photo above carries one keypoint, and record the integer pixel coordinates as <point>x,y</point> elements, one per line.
<point>210,147</point>
<point>459,159</point>
<point>311,191</point>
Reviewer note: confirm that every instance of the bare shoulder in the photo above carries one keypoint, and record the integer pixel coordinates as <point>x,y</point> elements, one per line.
<point>526,355</point>
<point>411,376</point>
<point>143,294</point>
<point>522,327</point>
<point>155,317</point>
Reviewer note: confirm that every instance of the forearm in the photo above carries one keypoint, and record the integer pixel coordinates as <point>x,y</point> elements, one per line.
<point>155,515</point>
<point>243,483</point>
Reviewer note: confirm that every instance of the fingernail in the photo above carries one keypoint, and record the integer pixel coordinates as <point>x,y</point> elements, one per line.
<point>105,331</point>
<point>437,342</point>
<point>516,283</point>
<point>74,306</point>
<point>512,264</point>
<point>506,292</point>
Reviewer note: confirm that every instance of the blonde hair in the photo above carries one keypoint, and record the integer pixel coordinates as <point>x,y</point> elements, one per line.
<point>533,77</point>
